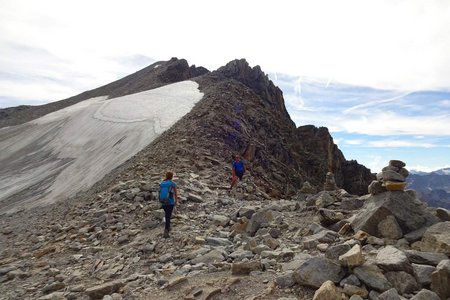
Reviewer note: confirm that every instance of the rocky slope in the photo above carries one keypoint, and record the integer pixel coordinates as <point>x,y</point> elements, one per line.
<point>107,243</point>
<point>329,245</point>
<point>243,112</point>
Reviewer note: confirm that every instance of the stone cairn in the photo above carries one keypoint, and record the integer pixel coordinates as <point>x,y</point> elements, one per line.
<point>391,178</point>
<point>330,183</point>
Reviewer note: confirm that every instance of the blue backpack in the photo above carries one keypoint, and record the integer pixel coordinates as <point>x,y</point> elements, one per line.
<point>165,192</point>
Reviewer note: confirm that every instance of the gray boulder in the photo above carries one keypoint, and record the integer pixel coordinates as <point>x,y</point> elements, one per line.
<point>403,282</point>
<point>372,276</point>
<point>393,259</point>
<point>259,219</point>
<point>437,238</point>
<point>425,258</point>
<point>390,294</point>
<point>425,295</point>
<point>423,273</point>
<point>325,236</point>
<point>317,270</point>
<point>440,279</point>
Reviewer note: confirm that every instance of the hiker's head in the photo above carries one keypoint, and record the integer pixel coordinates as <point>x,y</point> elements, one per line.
<point>237,157</point>
<point>169,175</point>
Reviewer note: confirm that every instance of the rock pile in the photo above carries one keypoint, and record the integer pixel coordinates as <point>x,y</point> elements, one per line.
<point>391,178</point>
<point>330,183</point>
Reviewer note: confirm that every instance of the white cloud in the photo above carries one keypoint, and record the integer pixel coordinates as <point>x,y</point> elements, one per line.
<point>375,163</point>
<point>375,103</point>
<point>445,103</point>
<point>399,144</point>
<point>390,123</point>
<point>382,43</point>
<point>354,142</point>
<point>428,169</point>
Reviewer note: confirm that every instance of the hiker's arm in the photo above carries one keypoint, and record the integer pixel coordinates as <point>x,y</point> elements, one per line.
<point>234,171</point>
<point>175,194</point>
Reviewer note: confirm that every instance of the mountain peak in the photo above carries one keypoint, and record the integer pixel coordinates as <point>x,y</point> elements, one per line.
<point>257,80</point>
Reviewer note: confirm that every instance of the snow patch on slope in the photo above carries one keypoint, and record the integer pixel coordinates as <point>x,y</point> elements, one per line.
<point>62,153</point>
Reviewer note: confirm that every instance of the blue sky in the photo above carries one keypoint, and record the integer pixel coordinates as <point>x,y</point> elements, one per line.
<point>375,72</point>
<point>371,125</point>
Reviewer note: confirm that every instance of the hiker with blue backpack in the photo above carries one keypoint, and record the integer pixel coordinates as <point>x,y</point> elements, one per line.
<point>168,197</point>
<point>238,170</point>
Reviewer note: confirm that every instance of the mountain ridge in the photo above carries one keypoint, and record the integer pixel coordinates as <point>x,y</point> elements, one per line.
<point>242,111</point>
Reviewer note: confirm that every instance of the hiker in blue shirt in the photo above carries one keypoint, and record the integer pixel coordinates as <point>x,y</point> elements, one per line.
<point>238,170</point>
<point>168,199</point>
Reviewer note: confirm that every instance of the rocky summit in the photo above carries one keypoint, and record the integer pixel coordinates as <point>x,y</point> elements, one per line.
<point>301,224</point>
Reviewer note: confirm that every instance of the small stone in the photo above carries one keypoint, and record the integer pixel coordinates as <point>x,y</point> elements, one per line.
<point>351,280</point>
<point>355,290</point>
<point>244,268</point>
<point>443,214</point>
<point>307,188</point>
<point>327,291</point>
<point>322,247</point>
<point>391,294</point>
<point>52,287</point>
<point>390,175</point>
<point>352,258</point>
<point>44,251</point>
<point>177,281</point>
<point>220,220</point>
<point>106,288</point>
<point>425,295</point>
<point>285,279</point>
<point>194,198</point>
<point>333,252</point>
<point>397,163</point>
<point>376,187</point>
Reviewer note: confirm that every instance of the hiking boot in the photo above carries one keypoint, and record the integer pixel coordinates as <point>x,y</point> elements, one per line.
<point>166,233</point>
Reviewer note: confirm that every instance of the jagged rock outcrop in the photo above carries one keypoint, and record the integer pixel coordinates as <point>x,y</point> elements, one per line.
<point>283,156</point>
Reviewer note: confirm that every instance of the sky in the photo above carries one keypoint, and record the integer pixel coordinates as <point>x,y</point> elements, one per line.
<point>375,72</point>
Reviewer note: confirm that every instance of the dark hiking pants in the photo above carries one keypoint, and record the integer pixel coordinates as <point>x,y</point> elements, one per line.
<point>168,209</point>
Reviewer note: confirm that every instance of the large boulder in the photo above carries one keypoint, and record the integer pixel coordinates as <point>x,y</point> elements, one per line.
<point>372,276</point>
<point>393,259</point>
<point>425,258</point>
<point>403,282</point>
<point>259,219</point>
<point>315,271</point>
<point>440,279</point>
<point>437,238</point>
<point>408,211</point>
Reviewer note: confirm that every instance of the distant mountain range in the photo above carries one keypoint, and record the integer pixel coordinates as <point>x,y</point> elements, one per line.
<point>433,187</point>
